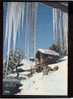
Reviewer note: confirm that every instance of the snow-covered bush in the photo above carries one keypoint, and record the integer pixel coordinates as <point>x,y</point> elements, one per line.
<point>15,58</point>
<point>58,48</point>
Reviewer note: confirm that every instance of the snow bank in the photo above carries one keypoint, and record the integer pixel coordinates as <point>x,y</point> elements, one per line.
<point>55,83</point>
<point>27,64</point>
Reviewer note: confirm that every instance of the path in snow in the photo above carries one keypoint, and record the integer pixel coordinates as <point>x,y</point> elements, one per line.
<point>55,83</point>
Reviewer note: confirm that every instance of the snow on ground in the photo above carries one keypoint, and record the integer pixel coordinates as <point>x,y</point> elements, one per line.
<point>27,64</point>
<point>55,83</point>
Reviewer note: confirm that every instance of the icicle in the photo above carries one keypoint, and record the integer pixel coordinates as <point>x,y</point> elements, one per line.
<point>34,9</point>
<point>14,26</point>
<point>30,36</point>
<point>5,34</point>
<point>55,25</point>
<point>16,20</point>
<point>18,25</point>
<point>6,29</point>
<point>35,25</point>
<point>9,33</point>
<point>54,29</point>
<point>26,32</point>
<point>60,30</point>
<point>14,12</point>
<point>65,29</point>
<point>23,12</point>
<point>31,31</point>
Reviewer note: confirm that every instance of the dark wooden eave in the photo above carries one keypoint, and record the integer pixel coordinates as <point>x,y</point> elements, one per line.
<point>61,5</point>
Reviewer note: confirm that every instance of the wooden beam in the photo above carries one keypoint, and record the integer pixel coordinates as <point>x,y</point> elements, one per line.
<point>61,5</point>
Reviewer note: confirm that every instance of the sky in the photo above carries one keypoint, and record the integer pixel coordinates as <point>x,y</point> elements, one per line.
<point>44,27</point>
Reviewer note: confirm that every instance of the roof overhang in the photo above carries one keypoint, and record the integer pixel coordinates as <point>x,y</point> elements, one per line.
<point>61,5</point>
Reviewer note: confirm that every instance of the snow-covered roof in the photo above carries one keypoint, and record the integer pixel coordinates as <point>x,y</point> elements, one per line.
<point>48,51</point>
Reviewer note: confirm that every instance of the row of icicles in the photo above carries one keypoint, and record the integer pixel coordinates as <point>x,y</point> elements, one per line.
<point>21,17</point>
<point>60,28</point>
